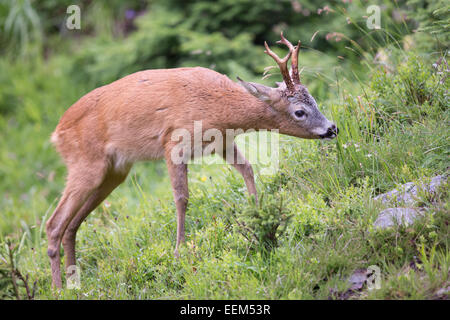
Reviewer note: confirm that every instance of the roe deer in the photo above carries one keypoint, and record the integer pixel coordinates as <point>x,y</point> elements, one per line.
<point>132,119</point>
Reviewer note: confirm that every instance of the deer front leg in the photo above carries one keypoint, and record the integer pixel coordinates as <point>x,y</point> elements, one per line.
<point>237,160</point>
<point>178,178</point>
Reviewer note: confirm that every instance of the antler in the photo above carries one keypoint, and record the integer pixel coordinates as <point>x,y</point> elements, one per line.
<point>294,52</point>
<point>282,64</point>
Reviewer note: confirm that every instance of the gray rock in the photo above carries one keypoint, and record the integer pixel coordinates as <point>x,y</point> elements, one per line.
<point>443,291</point>
<point>436,182</point>
<point>358,279</point>
<point>408,193</point>
<point>396,216</point>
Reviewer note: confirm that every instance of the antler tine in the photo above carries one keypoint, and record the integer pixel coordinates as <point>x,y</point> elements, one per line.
<point>294,51</point>
<point>282,64</point>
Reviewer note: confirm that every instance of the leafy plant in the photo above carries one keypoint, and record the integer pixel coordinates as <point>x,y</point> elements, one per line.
<point>264,222</point>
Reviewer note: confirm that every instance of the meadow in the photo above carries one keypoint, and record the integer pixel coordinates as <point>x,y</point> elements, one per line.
<point>386,89</point>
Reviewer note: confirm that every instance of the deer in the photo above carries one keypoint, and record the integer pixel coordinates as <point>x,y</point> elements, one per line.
<point>133,119</point>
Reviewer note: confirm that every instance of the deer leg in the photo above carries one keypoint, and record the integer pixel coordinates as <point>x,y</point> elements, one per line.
<point>178,178</point>
<point>238,161</point>
<point>112,180</point>
<point>80,185</point>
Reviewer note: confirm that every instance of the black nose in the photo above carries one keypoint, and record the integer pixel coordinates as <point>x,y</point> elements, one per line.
<point>333,130</point>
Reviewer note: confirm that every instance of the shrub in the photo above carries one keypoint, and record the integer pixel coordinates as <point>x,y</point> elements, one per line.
<point>264,222</point>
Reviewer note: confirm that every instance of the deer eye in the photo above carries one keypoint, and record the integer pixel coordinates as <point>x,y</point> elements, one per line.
<point>300,113</point>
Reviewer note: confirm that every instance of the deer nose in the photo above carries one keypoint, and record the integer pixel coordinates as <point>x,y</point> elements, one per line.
<point>332,131</point>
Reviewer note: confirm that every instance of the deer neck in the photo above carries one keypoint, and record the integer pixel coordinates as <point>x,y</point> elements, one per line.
<point>255,114</point>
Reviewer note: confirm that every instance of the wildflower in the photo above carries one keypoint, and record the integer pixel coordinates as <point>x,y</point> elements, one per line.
<point>337,36</point>
<point>314,261</point>
<point>325,9</point>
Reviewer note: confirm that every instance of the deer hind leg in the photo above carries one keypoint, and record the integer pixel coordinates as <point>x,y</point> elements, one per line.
<point>238,161</point>
<point>111,181</point>
<point>179,181</point>
<point>81,183</point>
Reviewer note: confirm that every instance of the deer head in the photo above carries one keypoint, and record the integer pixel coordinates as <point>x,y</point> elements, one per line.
<point>295,110</point>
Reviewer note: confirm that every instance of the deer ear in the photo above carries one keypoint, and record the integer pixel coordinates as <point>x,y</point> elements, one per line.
<point>260,91</point>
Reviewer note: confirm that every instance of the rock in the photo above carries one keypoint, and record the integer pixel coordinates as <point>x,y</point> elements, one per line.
<point>408,193</point>
<point>393,216</point>
<point>443,292</point>
<point>405,194</point>
<point>436,182</point>
<point>358,279</point>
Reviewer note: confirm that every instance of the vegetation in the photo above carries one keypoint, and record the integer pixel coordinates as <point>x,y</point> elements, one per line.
<point>386,88</point>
